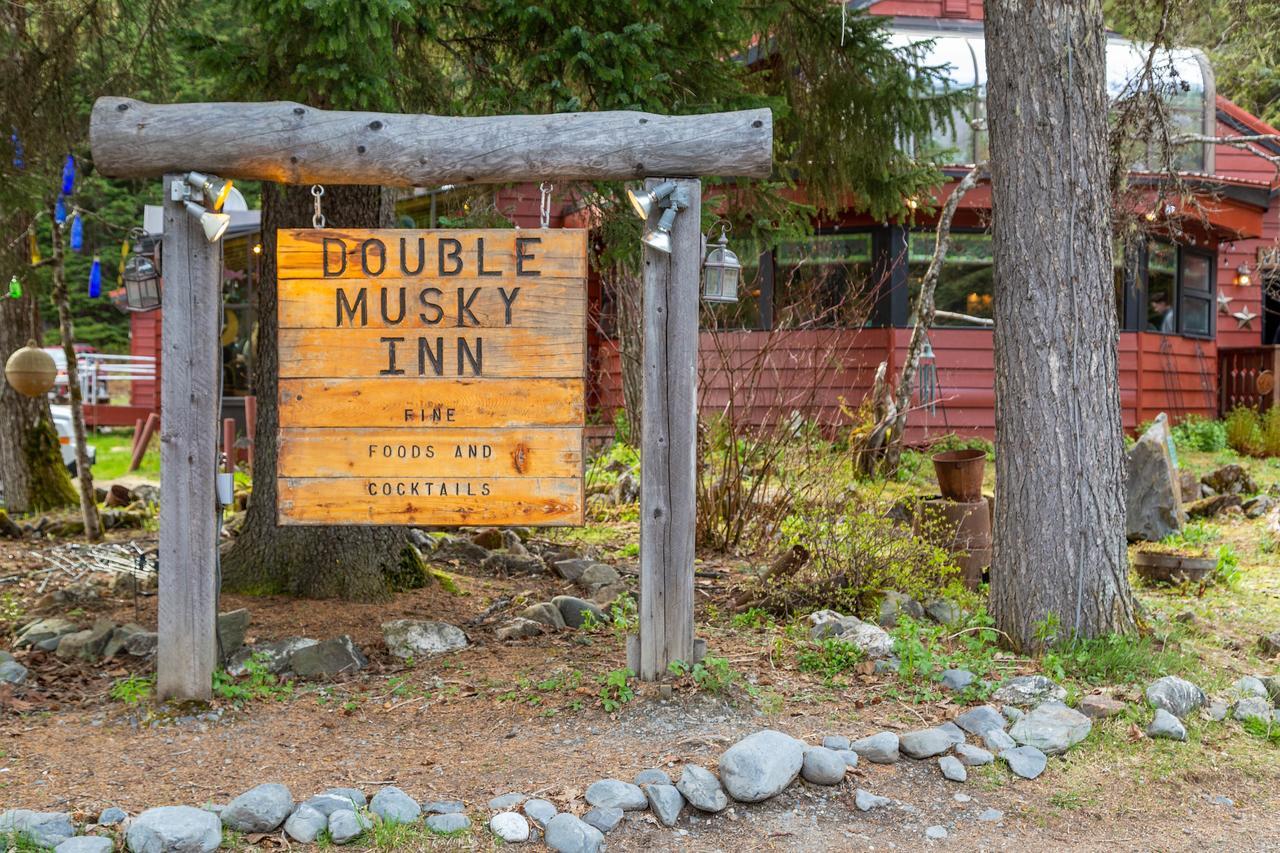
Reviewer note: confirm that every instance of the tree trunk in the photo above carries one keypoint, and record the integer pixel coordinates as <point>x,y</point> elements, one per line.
<point>629,300</point>
<point>356,563</point>
<point>88,500</point>
<point>1060,554</point>
<point>31,468</point>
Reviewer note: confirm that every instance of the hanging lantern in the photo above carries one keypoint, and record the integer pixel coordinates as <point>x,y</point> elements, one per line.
<point>721,270</point>
<point>77,233</point>
<point>1242,278</point>
<point>60,211</point>
<point>141,281</point>
<point>31,371</point>
<point>927,378</point>
<point>68,175</point>
<point>15,288</point>
<point>95,278</point>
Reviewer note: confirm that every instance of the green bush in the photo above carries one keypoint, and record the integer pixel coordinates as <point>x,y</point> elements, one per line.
<point>1244,431</point>
<point>1202,434</point>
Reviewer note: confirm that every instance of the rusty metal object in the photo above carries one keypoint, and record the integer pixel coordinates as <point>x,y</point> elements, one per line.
<point>963,528</point>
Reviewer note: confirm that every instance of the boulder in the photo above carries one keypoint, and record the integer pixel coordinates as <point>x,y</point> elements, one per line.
<point>232,627</point>
<point>1025,761</point>
<point>952,769</point>
<point>572,568</point>
<point>894,604</point>
<point>997,740</point>
<point>112,816</point>
<point>1230,479</point>
<point>702,789</point>
<point>597,575</point>
<point>603,818</point>
<point>44,829</point>
<point>666,803</point>
<point>1269,644</point>
<point>761,765</point>
<point>652,776</point>
<point>119,638</point>
<point>511,827</point>
<point>1176,695</point>
<point>924,743</point>
<point>879,748</point>
<point>334,801</point>
<point>1253,707</point>
<point>273,657</point>
<point>394,805</point>
<point>616,793</point>
<point>506,563</point>
<point>1247,686</point>
<point>336,656</point>
<point>503,802</point>
<point>1099,706</point>
<point>1272,684</point>
<point>1166,725</point>
<point>43,629</point>
<point>957,679</point>
<point>346,826</point>
<point>1211,507</point>
<point>849,756</point>
<point>86,645</point>
<point>174,829</point>
<point>568,834</point>
<point>1258,506</point>
<point>953,731</point>
<point>1052,727</point>
<point>979,720</point>
<point>540,811</point>
<point>12,672</point>
<point>822,766</point>
<point>443,807</point>
<point>142,644</point>
<point>545,613</point>
<point>874,641</point>
<point>420,638</point>
<point>86,844</point>
<point>1153,497</point>
<point>973,756</point>
<point>305,824</point>
<point>260,809</point>
<point>448,822</point>
<point>1028,690</point>
<point>454,549</point>
<point>836,742</point>
<point>944,611</point>
<point>1188,486</point>
<point>519,628</point>
<point>573,609</point>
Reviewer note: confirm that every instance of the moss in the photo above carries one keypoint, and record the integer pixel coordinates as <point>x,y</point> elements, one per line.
<point>50,483</point>
<point>446,581</point>
<point>410,572</point>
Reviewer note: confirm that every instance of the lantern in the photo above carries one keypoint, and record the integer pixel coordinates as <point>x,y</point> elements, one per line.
<point>31,370</point>
<point>141,281</point>
<point>1241,278</point>
<point>720,271</point>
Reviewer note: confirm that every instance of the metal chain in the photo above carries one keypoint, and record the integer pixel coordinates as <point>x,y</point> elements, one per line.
<point>544,209</point>
<point>317,219</point>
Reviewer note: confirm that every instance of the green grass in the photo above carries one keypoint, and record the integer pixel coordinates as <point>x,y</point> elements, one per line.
<point>1119,659</point>
<point>114,452</point>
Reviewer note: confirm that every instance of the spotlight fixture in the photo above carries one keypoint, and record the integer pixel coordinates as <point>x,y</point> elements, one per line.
<point>659,237</point>
<point>644,201</point>
<point>1242,276</point>
<point>214,189</point>
<point>235,202</point>
<point>214,224</point>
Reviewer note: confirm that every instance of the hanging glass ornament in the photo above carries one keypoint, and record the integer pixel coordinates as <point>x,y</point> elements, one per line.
<point>33,247</point>
<point>68,175</point>
<point>124,256</point>
<point>15,288</point>
<point>95,278</point>
<point>19,158</point>
<point>60,211</point>
<point>77,233</point>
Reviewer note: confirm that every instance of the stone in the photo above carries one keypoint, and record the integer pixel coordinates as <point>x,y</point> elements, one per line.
<point>952,769</point>
<point>1176,695</point>
<point>1166,725</point>
<point>112,816</point>
<point>822,766</point>
<point>443,807</point>
<point>43,629</point>
<point>952,731</point>
<point>1052,728</point>
<point>346,826</point>
<point>272,657</point>
<point>395,806</point>
<point>260,809</point>
<point>1217,710</point>
<point>924,743</point>
<point>961,797</point>
<point>510,827</point>
<point>894,604</point>
<point>1253,707</point>
<point>866,801</point>
<point>1211,507</point>
<point>849,756</point>
<point>352,795</point>
<point>174,829</point>
<point>305,824</point>
<point>337,656</point>
<point>1153,496</point>
<point>977,721</point>
<point>540,811</point>
<point>597,575</point>
<point>448,822</point>
<point>463,551</point>
<point>957,679</point>
<point>1272,685</point>
<point>701,788</point>
<point>874,641</point>
<point>1258,506</point>
<point>86,844</point>
<point>666,803</point>
<point>519,629</point>
<point>886,665</point>
<point>232,627</point>
<point>568,834</point>
<point>572,610</point>
<point>1025,691</point>
<point>12,672</point>
<point>761,765</point>
<point>652,776</point>
<point>1247,686</point>
<point>1098,706</point>
<point>503,802</point>
<point>572,569</point>
<point>879,748</point>
<point>1011,713</point>
<point>119,637</point>
<point>45,829</point>
<point>545,613</point>
<point>421,638</point>
<point>836,742</point>
<point>944,611</point>
<point>616,793</point>
<point>1230,479</point>
<point>936,833</point>
<point>507,563</point>
<point>1026,761</point>
<point>336,800</point>
<point>973,756</point>
<point>86,645</point>
<point>603,818</point>
<point>1269,644</point>
<point>998,740</point>
<point>991,816</point>
<point>142,644</point>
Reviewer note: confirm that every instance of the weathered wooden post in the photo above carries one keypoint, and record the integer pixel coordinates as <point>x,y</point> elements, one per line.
<point>186,653</point>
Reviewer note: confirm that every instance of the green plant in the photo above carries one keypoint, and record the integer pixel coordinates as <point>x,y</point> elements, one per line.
<point>1116,659</point>
<point>133,690</point>
<point>829,658</point>
<point>1244,431</point>
<point>624,614</point>
<point>1198,433</point>
<point>756,618</point>
<point>257,683</point>
<point>11,610</point>
<point>1227,572</point>
<point>615,689</point>
<point>1265,729</point>
<point>712,674</point>
<point>1194,534</point>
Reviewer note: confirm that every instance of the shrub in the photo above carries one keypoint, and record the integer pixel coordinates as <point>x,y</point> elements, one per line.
<point>1202,434</point>
<point>1244,431</point>
<point>956,442</point>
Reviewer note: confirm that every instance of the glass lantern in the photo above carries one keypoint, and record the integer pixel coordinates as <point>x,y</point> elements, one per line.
<point>141,282</point>
<point>720,272</point>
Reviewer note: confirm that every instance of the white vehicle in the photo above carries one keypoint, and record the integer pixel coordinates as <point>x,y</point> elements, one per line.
<point>67,437</point>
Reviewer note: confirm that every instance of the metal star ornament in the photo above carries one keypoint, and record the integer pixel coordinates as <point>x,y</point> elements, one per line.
<point>1245,318</point>
<point>1224,303</point>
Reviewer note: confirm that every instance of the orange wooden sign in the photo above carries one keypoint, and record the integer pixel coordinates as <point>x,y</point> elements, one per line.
<point>431,377</point>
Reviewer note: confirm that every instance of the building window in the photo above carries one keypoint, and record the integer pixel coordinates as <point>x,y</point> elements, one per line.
<point>1180,295</point>
<point>965,281</point>
<point>1196,270</point>
<point>1162,287</point>
<point>826,281</point>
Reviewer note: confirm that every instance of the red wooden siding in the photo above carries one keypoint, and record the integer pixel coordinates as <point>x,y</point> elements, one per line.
<point>970,9</point>
<point>144,339</point>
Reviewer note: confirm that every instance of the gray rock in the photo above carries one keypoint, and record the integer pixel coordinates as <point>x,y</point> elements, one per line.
<point>545,613</point>
<point>112,816</point>
<point>346,826</point>
<point>86,645</point>
<point>352,795</point>
<point>822,766</point>
<point>272,657</point>
<point>957,679</point>
<point>836,742</point>
<point>119,638</point>
<point>1247,686</point>
<point>873,640</point>
<point>1272,683</point>
<point>652,776</point>
<point>44,629</point>
<point>1166,725</point>
<point>572,609</point>
<point>952,731</point>
<point>603,818</point>
<point>421,638</point>
<point>305,824</point>
<point>1052,728</point>
<point>1153,499</point>
<point>232,627</point>
<point>597,575</point>
<point>1253,707</point>
<point>894,604</point>
<point>395,806</point>
<point>260,809</point>
<point>924,743</point>
<point>45,829</point>
<point>978,721</point>
<point>936,833</point>
<point>1268,644</point>
<point>143,644</point>
<point>507,801</point>
<point>12,672</point>
<point>998,740</point>
<point>519,628</point>
<point>1217,710</point>
<point>1099,707</point>
<point>448,822</point>
<point>86,844</point>
<point>1025,691</point>
<point>761,765</point>
<point>174,829</point>
<point>616,793</point>
<point>879,748</point>
<point>336,656</point>
<point>572,569</point>
<point>665,802</point>
<point>885,665</point>
<point>973,756</point>
<point>462,550</point>
<point>540,811</point>
<point>1219,800</point>
<point>1011,713</point>
<point>508,563</point>
<point>335,800</point>
<point>991,816</point>
<point>952,769</point>
<point>866,801</point>
<point>510,827</point>
<point>443,807</point>
<point>1176,695</point>
<point>944,611</point>
<point>568,834</point>
<point>701,788</point>
<point>849,757</point>
<point>1026,761</point>
<point>1230,479</point>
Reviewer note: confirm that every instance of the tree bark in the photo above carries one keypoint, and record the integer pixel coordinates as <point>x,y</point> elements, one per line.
<point>88,500</point>
<point>354,563</point>
<point>1060,555</point>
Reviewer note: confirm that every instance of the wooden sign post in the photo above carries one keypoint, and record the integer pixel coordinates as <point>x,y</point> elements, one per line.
<point>431,377</point>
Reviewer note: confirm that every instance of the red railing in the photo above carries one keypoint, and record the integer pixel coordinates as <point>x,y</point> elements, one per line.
<point>1247,377</point>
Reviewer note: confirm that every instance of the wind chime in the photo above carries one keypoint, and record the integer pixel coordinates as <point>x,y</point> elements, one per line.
<point>927,390</point>
<point>75,231</point>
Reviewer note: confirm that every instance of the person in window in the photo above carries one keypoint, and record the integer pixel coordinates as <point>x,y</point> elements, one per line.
<point>1160,316</point>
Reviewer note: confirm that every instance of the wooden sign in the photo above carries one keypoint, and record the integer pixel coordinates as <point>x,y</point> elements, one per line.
<point>431,377</point>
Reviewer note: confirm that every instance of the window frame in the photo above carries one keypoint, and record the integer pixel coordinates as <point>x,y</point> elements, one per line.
<point>1207,296</point>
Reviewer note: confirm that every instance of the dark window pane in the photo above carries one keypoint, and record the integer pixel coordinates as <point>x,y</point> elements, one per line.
<point>965,281</point>
<point>1196,272</point>
<point>1162,283</point>
<point>1196,316</point>
<point>826,281</point>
